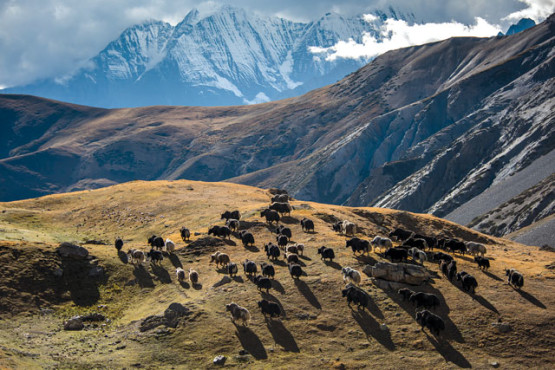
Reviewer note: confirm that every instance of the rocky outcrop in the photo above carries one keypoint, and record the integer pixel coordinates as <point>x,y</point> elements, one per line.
<point>72,251</point>
<point>398,272</point>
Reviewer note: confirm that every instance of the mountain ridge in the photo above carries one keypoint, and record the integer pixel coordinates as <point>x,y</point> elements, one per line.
<point>395,116</point>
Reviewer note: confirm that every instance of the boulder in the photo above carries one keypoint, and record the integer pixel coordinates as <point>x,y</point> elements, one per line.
<point>219,360</point>
<point>173,313</point>
<point>68,250</point>
<point>96,272</point>
<point>398,272</point>
<point>74,323</point>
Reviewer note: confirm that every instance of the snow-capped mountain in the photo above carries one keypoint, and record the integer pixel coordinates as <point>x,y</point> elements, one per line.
<point>228,57</point>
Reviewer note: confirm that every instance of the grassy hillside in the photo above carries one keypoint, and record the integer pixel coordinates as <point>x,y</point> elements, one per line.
<point>318,327</point>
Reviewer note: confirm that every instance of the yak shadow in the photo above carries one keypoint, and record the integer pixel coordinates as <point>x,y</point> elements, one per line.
<point>228,242</point>
<point>123,257</point>
<point>238,279</point>
<point>469,259</point>
<point>282,336</point>
<point>373,307</point>
<point>307,293</point>
<point>184,284</point>
<point>530,298</point>
<point>252,248</point>
<point>278,287</point>
<point>197,286</point>
<point>223,281</point>
<point>332,264</point>
<point>161,273</point>
<point>366,259</point>
<point>289,220</point>
<point>250,342</point>
<point>175,260</point>
<point>371,328</point>
<point>245,225</point>
<point>478,298</point>
<point>306,258</point>
<point>143,277</point>
<point>443,310</point>
<point>272,298</point>
<point>490,275</point>
<point>279,262</point>
<point>449,353</point>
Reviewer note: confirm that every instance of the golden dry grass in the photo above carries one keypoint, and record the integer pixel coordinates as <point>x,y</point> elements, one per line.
<point>318,329</point>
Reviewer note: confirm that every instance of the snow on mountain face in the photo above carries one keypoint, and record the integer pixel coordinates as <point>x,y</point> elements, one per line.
<point>225,58</point>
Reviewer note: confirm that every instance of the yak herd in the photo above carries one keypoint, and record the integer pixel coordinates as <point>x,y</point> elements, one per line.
<point>420,248</point>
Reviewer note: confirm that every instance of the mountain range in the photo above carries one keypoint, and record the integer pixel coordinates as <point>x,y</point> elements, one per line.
<point>425,129</point>
<point>227,57</point>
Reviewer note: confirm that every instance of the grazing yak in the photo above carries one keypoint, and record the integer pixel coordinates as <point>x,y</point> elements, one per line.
<point>284,231</point>
<point>348,228</point>
<point>233,224</point>
<point>483,263</point>
<point>156,242</point>
<point>396,254</point>
<point>137,256</point>
<point>220,259</point>
<point>185,233</point>
<point>307,225</point>
<point>282,208</point>
<point>271,216</point>
<point>355,295</point>
<point>514,278</point>
<point>326,253</point>
<point>232,269</point>
<point>269,308</point>
<point>453,245</point>
<point>272,251</point>
<point>250,267</point>
<point>236,215</point>
<point>379,242</point>
<point>417,254</point>
<point>220,231</point>
<point>155,256</point>
<point>119,243</point>
<point>426,300</point>
<point>280,198</point>
<point>468,281</point>
<point>263,282</point>
<point>193,277</point>
<point>268,270</point>
<point>416,243</point>
<point>282,240</point>
<point>351,275</point>
<point>400,234</point>
<point>440,256</point>
<point>476,248</point>
<point>358,245</point>
<point>431,242</point>
<point>451,270</point>
<point>433,322</point>
<point>238,313</point>
<point>180,273</point>
<point>246,237</point>
<point>295,270</point>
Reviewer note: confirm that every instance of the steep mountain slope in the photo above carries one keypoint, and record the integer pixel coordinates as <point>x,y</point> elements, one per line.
<point>429,127</point>
<point>317,326</point>
<point>228,57</point>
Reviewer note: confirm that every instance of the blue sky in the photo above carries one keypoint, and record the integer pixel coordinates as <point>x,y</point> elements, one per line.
<point>50,38</point>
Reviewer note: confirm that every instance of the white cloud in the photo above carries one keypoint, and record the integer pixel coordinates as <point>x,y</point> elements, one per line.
<point>397,34</point>
<point>537,10</point>
<point>258,99</point>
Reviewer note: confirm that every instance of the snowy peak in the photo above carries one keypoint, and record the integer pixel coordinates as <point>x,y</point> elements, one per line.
<point>225,57</point>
